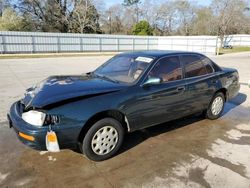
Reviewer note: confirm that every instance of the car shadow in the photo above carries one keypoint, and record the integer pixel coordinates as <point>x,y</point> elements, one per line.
<point>234,102</point>
<point>137,137</point>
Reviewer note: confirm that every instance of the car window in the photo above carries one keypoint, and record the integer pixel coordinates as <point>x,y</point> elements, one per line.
<point>208,64</point>
<point>124,68</point>
<point>193,66</point>
<point>168,69</point>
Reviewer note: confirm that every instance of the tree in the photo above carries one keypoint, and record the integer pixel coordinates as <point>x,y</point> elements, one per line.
<point>84,18</point>
<point>167,13</point>
<point>229,17</point>
<point>45,15</point>
<point>142,28</point>
<point>10,21</point>
<point>186,15</point>
<point>135,4</point>
<point>78,16</point>
<point>203,22</point>
<point>112,20</point>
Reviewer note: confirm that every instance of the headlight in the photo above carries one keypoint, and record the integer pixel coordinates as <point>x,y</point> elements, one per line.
<point>33,117</point>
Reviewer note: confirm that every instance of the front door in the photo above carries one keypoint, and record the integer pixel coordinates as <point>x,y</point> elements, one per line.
<point>161,102</point>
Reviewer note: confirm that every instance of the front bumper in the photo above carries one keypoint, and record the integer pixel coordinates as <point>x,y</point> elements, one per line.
<point>20,126</point>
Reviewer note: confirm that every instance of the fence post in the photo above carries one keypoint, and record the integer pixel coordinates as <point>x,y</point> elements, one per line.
<point>133,44</point>
<point>4,45</point>
<point>100,44</point>
<point>33,44</point>
<point>217,48</point>
<point>81,44</point>
<point>58,44</point>
<point>118,44</point>
<point>148,43</point>
<point>171,44</point>
<point>205,51</point>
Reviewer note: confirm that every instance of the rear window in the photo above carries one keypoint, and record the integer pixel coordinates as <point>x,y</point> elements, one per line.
<point>208,64</point>
<point>194,66</point>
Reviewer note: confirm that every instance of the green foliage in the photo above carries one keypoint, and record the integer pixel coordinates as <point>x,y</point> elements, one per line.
<point>62,16</point>
<point>142,28</point>
<point>10,21</point>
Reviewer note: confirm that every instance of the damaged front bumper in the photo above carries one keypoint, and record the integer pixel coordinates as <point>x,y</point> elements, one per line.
<point>30,135</point>
<point>67,131</point>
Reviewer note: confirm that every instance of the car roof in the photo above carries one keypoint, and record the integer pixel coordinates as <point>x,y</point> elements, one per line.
<point>158,53</point>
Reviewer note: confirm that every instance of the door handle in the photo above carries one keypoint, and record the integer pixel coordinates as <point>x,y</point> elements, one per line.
<point>180,89</point>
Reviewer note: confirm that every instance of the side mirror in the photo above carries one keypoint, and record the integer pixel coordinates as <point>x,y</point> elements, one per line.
<point>152,81</point>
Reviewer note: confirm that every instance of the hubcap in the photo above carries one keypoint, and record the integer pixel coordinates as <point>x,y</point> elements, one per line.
<point>104,140</point>
<point>217,105</point>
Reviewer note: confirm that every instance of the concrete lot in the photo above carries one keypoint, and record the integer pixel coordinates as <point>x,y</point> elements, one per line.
<point>192,152</point>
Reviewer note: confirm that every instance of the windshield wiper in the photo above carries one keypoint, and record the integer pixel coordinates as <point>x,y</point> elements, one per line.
<point>105,77</point>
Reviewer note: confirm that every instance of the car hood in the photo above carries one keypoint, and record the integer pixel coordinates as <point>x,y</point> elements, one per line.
<point>57,89</point>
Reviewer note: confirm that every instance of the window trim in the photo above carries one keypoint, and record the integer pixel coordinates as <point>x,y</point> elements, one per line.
<point>173,55</point>
<point>210,63</point>
<point>200,56</point>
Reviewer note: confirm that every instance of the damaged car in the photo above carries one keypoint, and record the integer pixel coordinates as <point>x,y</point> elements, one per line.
<point>131,91</point>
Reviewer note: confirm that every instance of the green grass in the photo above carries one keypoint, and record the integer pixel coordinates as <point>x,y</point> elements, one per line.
<point>54,55</point>
<point>235,49</point>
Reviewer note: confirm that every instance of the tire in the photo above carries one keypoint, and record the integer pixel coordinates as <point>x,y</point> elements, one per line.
<point>214,112</point>
<point>103,139</point>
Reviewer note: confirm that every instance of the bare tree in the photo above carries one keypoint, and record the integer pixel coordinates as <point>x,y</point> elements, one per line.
<point>112,20</point>
<point>186,15</point>
<point>229,16</point>
<point>84,18</point>
<point>203,23</point>
<point>166,16</point>
<point>135,4</point>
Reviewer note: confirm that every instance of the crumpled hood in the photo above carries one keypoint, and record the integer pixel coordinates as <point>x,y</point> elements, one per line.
<point>59,88</point>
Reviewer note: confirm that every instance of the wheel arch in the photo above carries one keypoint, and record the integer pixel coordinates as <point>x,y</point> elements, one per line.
<point>116,114</point>
<point>224,91</point>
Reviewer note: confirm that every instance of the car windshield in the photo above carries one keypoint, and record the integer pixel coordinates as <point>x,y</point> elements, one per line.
<point>124,68</point>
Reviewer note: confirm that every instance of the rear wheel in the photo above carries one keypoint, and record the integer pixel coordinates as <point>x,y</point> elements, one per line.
<point>103,139</point>
<point>216,106</point>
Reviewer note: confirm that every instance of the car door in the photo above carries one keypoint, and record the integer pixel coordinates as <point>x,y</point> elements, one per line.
<point>200,81</point>
<point>158,103</point>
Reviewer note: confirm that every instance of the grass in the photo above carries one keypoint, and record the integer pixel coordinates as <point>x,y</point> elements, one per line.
<point>54,55</point>
<point>235,49</point>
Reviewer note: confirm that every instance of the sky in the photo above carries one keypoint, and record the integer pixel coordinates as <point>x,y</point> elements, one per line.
<point>200,2</point>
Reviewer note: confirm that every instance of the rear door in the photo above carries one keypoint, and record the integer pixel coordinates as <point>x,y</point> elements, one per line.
<point>200,81</point>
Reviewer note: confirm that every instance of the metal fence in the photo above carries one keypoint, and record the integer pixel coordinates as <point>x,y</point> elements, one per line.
<point>202,44</point>
<point>237,40</point>
<point>32,42</point>
<point>37,42</point>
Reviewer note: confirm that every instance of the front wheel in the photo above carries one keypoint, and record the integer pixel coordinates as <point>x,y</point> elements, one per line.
<point>216,106</point>
<point>103,139</point>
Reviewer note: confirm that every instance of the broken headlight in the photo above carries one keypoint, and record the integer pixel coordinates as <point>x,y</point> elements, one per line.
<point>39,119</point>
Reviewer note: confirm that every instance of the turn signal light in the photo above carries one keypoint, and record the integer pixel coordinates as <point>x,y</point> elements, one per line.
<point>27,137</point>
